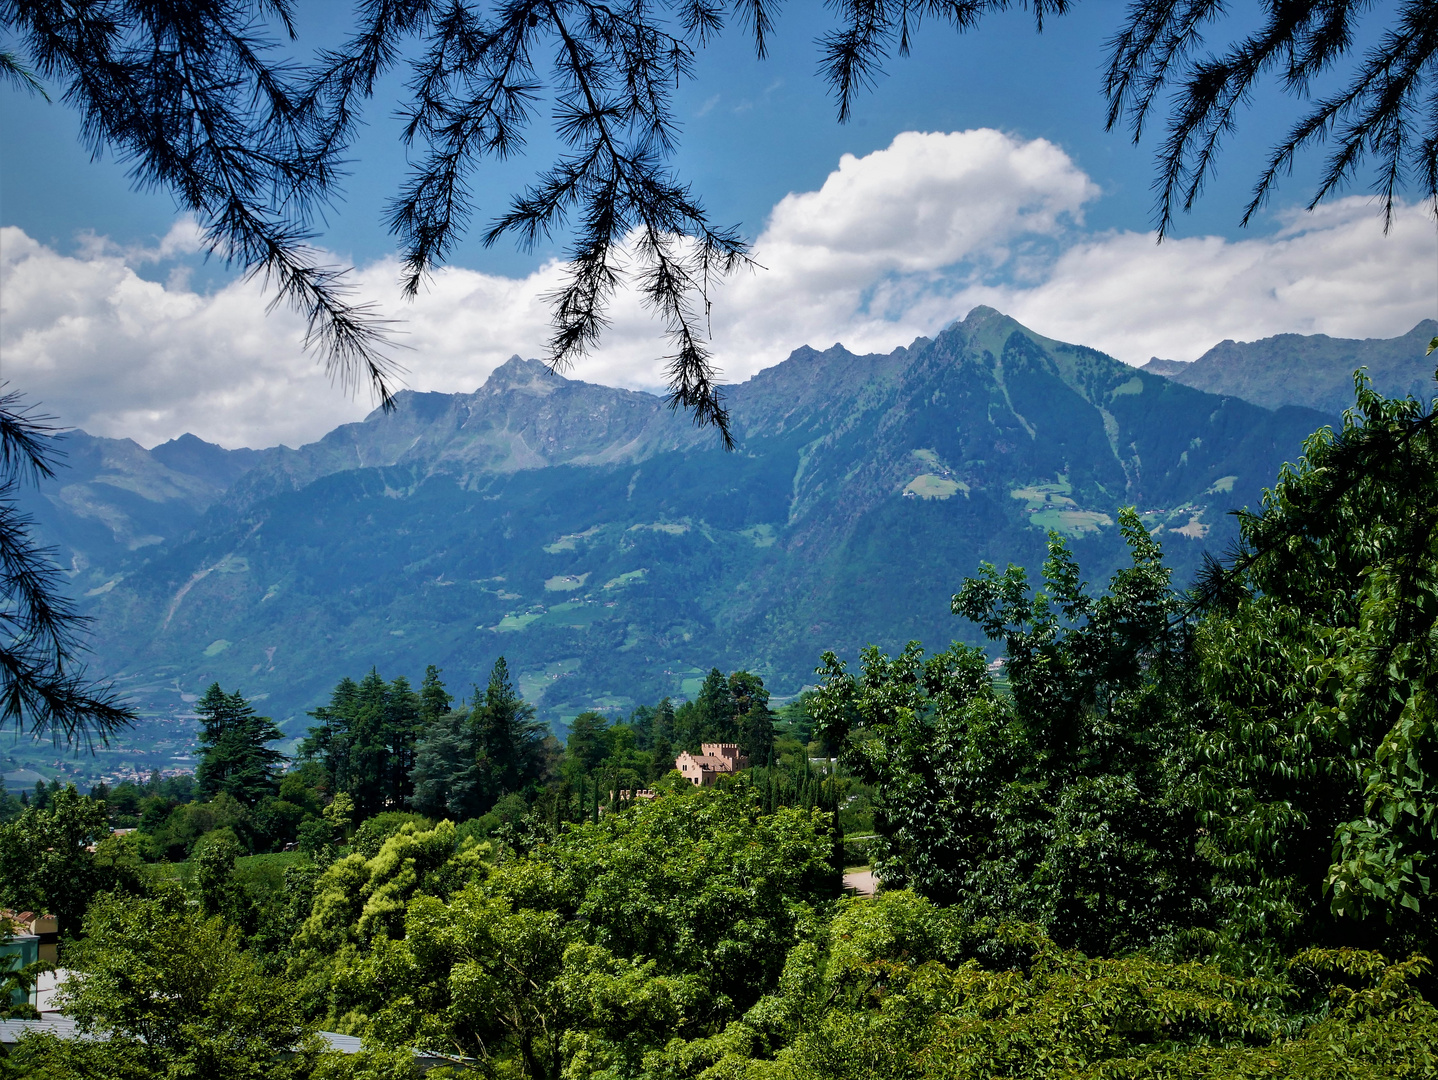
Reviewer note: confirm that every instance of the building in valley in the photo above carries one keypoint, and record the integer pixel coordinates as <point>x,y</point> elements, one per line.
<point>716,760</point>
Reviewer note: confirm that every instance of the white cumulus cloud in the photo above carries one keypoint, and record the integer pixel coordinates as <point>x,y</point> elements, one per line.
<point>882,248</point>
<point>893,245</point>
<point>111,352</point>
<point>1333,272</point>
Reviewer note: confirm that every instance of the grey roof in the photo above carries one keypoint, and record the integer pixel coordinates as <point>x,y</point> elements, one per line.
<point>65,1028</point>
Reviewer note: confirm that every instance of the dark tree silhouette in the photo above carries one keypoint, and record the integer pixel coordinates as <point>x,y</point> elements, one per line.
<point>43,686</point>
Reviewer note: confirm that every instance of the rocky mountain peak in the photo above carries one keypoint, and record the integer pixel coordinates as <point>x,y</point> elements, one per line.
<point>523,376</point>
<point>1157,365</point>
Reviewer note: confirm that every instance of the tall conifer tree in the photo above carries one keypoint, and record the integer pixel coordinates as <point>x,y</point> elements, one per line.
<point>434,700</point>
<point>511,742</point>
<point>588,741</point>
<point>446,779</point>
<point>367,738</point>
<point>716,709</point>
<point>234,755</point>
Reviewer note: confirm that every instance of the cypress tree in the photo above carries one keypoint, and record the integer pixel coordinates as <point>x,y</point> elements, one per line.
<point>364,779</point>
<point>588,742</point>
<point>753,722</point>
<point>715,704</point>
<point>400,729</point>
<point>663,722</point>
<point>663,758</point>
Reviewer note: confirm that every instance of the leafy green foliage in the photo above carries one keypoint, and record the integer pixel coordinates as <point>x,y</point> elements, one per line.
<point>173,994</point>
<point>587,745</point>
<point>669,916</point>
<point>371,835</point>
<point>1056,803</point>
<point>1325,678</point>
<point>726,710</point>
<point>57,859</point>
<point>446,776</point>
<point>511,741</point>
<point>897,987</point>
<point>215,876</point>
<point>1191,774</point>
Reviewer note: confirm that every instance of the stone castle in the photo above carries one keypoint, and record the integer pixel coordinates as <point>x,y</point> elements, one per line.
<point>716,759</point>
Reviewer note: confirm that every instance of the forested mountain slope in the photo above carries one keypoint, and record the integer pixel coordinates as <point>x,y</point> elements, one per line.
<point>613,552</point>
<point>112,498</point>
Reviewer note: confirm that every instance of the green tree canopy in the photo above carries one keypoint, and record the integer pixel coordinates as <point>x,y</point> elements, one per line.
<point>172,993</point>
<point>753,720</point>
<point>58,858</point>
<point>588,743</point>
<point>1247,768</point>
<point>446,777</point>
<point>366,738</point>
<point>1320,653</point>
<point>1056,805</point>
<point>511,741</point>
<point>434,699</point>
<point>666,918</point>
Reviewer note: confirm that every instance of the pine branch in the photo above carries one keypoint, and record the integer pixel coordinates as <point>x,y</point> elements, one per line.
<point>42,682</point>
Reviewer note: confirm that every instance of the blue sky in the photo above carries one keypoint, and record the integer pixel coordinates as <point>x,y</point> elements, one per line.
<point>753,131</point>
<point>157,328</point>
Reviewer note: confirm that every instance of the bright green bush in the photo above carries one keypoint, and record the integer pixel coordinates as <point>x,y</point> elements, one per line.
<point>898,988</point>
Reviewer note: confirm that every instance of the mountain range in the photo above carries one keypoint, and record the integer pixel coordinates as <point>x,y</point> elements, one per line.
<point>613,552</point>
<point>1313,370</point>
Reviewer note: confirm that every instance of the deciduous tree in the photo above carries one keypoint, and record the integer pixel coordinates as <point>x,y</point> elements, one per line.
<point>1063,805</point>
<point>57,859</point>
<point>171,992</point>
